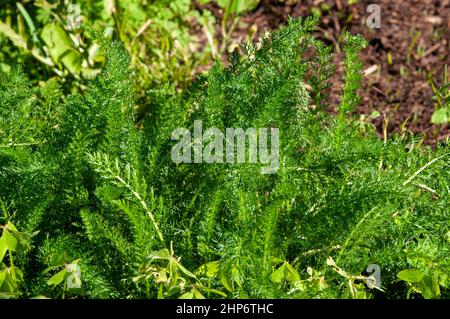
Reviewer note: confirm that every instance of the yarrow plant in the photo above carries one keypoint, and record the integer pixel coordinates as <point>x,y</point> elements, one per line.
<point>99,187</point>
<point>235,140</point>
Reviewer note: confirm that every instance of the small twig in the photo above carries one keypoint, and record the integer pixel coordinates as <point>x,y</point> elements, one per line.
<point>141,30</point>
<point>426,188</point>
<point>431,50</point>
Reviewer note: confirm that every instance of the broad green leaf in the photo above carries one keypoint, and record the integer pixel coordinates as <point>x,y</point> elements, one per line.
<point>14,238</point>
<point>374,115</point>
<point>429,287</point>
<point>186,272</point>
<point>410,275</point>
<point>187,295</point>
<point>285,272</point>
<point>226,282</point>
<point>3,246</point>
<point>61,48</point>
<point>441,116</point>
<point>59,260</point>
<point>57,278</point>
<point>278,275</point>
<point>11,241</point>
<point>291,274</point>
<point>198,295</point>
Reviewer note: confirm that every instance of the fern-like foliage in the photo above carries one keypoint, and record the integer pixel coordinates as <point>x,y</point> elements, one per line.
<point>103,188</point>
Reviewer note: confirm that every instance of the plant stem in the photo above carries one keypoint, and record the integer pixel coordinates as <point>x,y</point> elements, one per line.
<point>144,204</point>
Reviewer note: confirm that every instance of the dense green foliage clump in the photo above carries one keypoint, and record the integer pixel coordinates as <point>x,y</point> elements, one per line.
<point>106,213</point>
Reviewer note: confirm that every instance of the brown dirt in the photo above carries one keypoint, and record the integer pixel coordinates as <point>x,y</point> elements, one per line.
<point>411,47</point>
